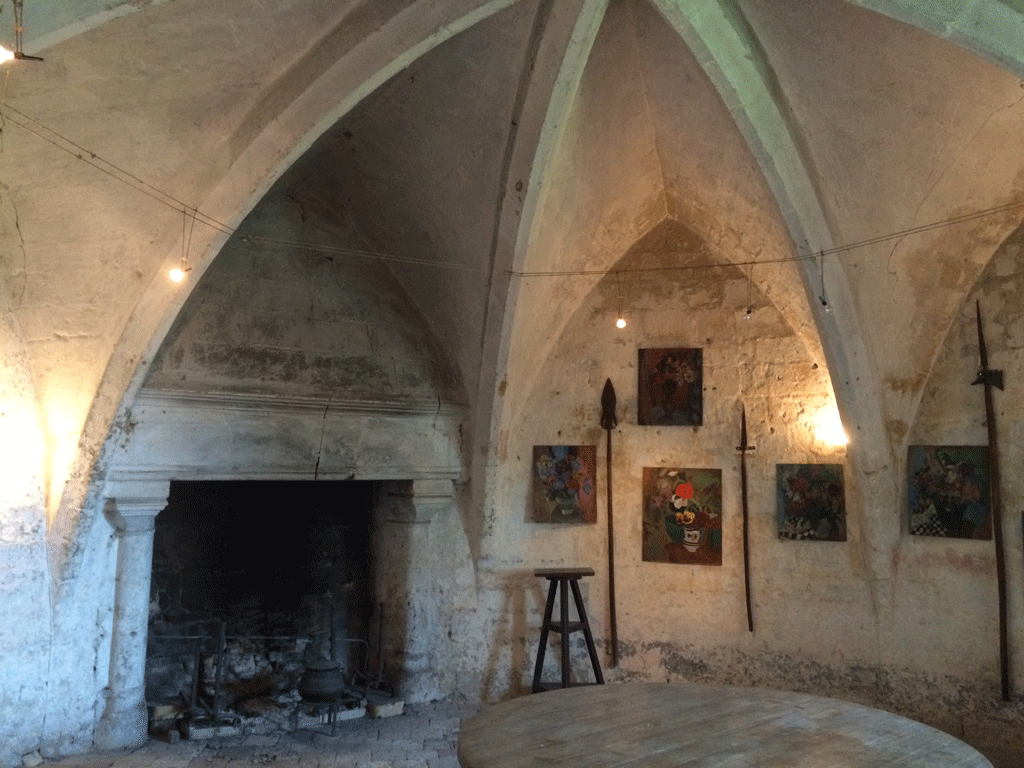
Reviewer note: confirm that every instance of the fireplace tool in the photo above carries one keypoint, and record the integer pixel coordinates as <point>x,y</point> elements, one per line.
<point>378,681</point>
<point>200,713</point>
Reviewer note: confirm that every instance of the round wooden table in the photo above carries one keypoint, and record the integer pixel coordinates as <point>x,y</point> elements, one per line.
<point>657,725</point>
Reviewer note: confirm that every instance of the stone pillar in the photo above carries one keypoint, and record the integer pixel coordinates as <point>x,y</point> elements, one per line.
<point>407,551</point>
<point>131,508</point>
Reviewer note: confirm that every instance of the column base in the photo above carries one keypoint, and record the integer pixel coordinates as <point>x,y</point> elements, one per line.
<point>124,723</point>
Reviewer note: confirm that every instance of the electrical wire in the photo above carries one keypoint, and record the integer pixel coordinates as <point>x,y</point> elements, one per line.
<point>76,150</point>
<point>979,214</point>
<point>164,198</point>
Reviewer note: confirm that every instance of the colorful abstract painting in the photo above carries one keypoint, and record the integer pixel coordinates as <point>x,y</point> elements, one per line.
<point>670,388</point>
<point>564,484</point>
<point>811,502</point>
<point>682,516</point>
<point>948,491</point>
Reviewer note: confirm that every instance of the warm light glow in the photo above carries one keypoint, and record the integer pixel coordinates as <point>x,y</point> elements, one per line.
<point>830,428</point>
<point>21,450</point>
<point>177,275</point>
<point>620,323</point>
<point>5,55</point>
<point>64,427</point>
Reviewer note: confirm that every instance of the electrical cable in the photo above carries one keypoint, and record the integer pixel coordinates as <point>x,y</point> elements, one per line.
<point>165,198</point>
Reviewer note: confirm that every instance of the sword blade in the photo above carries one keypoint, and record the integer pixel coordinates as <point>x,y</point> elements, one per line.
<point>997,512</point>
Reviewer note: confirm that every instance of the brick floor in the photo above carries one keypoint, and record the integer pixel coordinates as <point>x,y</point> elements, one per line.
<point>423,737</point>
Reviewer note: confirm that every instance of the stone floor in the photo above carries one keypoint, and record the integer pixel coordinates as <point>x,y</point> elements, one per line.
<point>423,737</point>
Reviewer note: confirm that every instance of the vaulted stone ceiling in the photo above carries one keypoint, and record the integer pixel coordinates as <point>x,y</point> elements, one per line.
<point>489,138</point>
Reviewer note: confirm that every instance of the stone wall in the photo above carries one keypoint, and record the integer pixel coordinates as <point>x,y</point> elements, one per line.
<point>26,634</point>
<point>826,620</point>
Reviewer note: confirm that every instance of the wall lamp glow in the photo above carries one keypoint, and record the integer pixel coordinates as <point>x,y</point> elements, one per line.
<point>6,55</point>
<point>18,54</point>
<point>830,430</point>
<point>178,274</point>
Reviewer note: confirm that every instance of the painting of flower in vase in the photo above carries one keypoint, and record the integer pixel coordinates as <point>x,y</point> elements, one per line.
<point>564,484</point>
<point>670,387</point>
<point>948,491</point>
<point>682,516</point>
<point>811,502</point>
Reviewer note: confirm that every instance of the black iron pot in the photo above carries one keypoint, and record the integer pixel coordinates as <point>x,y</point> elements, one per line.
<point>322,682</point>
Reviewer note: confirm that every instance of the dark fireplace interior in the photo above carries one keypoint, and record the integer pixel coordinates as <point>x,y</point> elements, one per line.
<point>252,583</point>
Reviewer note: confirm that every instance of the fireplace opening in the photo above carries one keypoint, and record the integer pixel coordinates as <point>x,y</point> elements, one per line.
<point>255,584</point>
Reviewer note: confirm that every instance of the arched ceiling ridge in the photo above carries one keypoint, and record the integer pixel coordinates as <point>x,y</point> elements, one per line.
<point>401,39</point>
<point>989,28</point>
<point>728,50</point>
<point>555,82</point>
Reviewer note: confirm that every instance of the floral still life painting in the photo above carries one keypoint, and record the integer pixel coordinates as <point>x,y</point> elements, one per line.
<point>564,484</point>
<point>948,491</point>
<point>670,387</point>
<point>811,502</point>
<point>682,516</point>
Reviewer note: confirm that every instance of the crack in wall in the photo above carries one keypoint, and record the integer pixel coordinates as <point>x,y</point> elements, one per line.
<point>10,213</point>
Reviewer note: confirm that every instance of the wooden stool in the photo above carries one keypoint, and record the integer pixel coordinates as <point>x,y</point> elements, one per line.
<point>564,578</point>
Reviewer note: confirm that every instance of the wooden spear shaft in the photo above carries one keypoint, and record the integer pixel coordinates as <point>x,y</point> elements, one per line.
<point>608,422</point>
<point>746,517</point>
<point>989,379</point>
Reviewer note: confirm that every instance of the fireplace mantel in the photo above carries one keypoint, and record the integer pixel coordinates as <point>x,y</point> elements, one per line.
<point>185,435</point>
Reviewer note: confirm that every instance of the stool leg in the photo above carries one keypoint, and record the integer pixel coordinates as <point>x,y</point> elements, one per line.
<point>544,627</point>
<point>586,631</point>
<point>564,600</point>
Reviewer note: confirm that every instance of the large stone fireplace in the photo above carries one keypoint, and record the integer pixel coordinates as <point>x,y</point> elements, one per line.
<point>253,581</point>
<point>285,572</point>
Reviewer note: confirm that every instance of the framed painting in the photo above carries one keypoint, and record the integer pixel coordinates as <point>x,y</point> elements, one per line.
<point>811,502</point>
<point>564,484</point>
<point>670,387</point>
<point>948,491</point>
<point>682,516</point>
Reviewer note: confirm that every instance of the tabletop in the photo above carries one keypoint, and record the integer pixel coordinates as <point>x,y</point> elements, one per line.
<point>660,725</point>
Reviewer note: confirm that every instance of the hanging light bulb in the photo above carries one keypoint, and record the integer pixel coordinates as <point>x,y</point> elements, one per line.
<point>18,52</point>
<point>178,273</point>
<point>821,296</point>
<point>750,303</point>
<point>620,322</point>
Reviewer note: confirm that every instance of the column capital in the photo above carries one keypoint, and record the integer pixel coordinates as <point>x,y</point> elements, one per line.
<point>417,501</point>
<point>132,505</point>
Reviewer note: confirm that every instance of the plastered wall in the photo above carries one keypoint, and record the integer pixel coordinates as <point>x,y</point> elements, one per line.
<point>917,636</point>
<point>906,623</point>
<point>824,620</point>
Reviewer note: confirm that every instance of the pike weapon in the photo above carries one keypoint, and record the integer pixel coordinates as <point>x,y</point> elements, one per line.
<point>608,422</point>
<point>743,448</point>
<point>990,378</point>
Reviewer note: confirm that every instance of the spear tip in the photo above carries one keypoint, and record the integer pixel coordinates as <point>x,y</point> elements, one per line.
<point>608,420</point>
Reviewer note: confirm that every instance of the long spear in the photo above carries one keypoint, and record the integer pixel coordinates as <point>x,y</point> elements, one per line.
<point>989,379</point>
<point>608,422</point>
<point>743,448</point>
